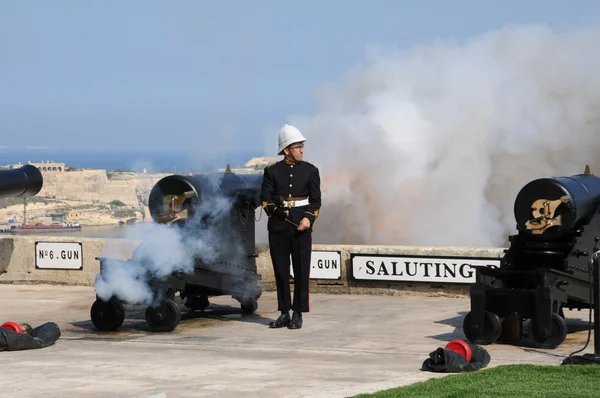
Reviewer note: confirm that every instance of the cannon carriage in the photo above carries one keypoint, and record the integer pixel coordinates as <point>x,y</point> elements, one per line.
<point>219,205</point>
<point>546,267</point>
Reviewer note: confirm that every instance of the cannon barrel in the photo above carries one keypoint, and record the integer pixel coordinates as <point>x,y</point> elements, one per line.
<point>175,197</point>
<point>554,208</point>
<point>545,270</point>
<point>22,182</point>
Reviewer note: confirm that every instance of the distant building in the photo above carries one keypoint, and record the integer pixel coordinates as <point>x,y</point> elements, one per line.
<point>262,161</point>
<point>44,166</point>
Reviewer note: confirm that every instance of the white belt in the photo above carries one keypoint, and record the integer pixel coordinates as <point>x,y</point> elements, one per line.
<point>295,203</point>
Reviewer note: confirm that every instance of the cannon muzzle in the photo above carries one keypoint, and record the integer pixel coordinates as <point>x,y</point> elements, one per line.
<point>174,198</point>
<point>553,208</point>
<point>20,183</point>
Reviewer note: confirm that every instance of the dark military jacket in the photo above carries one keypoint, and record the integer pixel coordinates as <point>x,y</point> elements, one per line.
<point>284,181</point>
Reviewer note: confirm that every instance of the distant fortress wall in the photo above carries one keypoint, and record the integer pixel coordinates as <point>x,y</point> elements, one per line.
<point>89,186</point>
<point>44,166</point>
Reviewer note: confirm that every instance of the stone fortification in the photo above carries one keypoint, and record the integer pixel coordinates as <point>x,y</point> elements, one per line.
<point>88,197</point>
<point>88,186</point>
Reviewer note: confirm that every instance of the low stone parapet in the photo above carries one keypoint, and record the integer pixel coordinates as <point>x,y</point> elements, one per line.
<point>397,270</point>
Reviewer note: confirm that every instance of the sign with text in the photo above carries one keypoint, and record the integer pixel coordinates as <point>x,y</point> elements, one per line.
<point>418,268</point>
<point>59,255</point>
<point>323,265</point>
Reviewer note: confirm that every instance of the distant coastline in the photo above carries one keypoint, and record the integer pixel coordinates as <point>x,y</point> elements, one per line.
<point>128,160</point>
<point>97,189</point>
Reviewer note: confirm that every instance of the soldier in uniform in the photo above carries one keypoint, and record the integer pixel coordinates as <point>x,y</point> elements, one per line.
<point>291,197</point>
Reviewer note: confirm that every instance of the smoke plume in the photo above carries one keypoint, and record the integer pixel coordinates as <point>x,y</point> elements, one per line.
<point>430,146</point>
<point>165,249</point>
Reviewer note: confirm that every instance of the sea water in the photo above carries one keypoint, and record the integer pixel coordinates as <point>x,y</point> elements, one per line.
<point>129,160</point>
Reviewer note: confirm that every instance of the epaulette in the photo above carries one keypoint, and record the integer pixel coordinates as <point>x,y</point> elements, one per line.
<point>273,164</point>
<point>310,164</point>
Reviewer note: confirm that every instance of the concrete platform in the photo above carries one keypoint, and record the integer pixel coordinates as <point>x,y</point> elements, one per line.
<point>349,344</point>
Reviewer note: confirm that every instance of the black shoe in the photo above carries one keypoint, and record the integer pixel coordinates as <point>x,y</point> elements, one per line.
<point>283,320</point>
<point>296,322</point>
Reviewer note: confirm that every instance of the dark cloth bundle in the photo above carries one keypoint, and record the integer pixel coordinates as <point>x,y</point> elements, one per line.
<point>445,360</point>
<point>43,336</point>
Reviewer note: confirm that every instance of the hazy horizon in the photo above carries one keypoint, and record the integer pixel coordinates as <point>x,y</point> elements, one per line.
<point>419,104</point>
<point>211,77</point>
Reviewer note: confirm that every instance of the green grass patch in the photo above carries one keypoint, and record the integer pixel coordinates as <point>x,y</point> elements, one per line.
<point>506,381</point>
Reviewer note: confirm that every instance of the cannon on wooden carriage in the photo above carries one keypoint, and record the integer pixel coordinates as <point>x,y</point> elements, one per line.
<point>221,205</point>
<point>546,268</point>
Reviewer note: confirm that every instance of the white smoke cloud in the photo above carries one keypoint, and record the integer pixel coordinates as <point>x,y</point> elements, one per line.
<point>430,146</point>
<point>167,249</point>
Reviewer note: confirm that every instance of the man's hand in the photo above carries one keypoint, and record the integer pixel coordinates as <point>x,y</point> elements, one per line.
<point>304,224</point>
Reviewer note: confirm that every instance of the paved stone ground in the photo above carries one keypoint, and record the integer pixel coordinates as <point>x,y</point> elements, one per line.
<point>349,344</point>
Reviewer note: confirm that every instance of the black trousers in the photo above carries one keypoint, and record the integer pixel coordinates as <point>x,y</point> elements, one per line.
<point>299,246</point>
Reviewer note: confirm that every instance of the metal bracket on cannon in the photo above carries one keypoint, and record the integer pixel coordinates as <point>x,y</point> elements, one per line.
<point>498,313</point>
<point>174,212</point>
<point>543,212</point>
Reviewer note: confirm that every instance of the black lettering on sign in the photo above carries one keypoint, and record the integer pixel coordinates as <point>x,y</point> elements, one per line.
<point>327,264</point>
<point>426,269</point>
<point>466,270</point>
<point>382,269</point>
<point>41,254</point>
<point>370,268</point>
<point>437,270</point>
<point>448,270</point>
<point>69,255</point>
<point>415,268</point>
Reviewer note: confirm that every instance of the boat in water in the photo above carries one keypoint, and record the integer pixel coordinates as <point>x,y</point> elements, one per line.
<point>63,227</point>
<point>39,227</point>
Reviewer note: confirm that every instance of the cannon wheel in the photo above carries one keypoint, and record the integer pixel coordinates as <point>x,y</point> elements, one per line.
<point>558,332</point>
<point>198,303</point>
<point>492,328</point>
<point>107,315</point>
<point>249,306</point>
<point>165,317</point>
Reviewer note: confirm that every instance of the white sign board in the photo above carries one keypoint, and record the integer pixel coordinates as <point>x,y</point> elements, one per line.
<point>59,255</point>
<point>323,265</point>
<point>418,268</point>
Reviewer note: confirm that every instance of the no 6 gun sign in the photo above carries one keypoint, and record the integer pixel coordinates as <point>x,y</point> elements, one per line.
<point>59,255</point>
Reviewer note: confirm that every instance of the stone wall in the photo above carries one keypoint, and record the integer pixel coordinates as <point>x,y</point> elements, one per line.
<point>18,265</point>
<point>89,186</point>
<point>84,196</point>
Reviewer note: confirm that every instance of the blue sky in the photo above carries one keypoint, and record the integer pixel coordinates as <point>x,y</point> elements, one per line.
<point>174,74</point>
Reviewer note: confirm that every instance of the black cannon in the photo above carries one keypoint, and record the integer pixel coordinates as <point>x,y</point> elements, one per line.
<point>546,267</point>
<point>23,182</point>
<point>217,210</point>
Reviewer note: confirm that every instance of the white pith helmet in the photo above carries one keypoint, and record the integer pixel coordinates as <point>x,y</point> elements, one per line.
<point>289,135</point>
